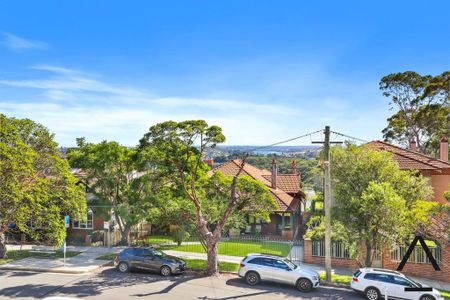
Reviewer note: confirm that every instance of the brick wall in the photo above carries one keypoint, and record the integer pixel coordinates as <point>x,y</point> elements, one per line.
<point>412,269</point>
<point>335,262</point>
<point>420,269</point>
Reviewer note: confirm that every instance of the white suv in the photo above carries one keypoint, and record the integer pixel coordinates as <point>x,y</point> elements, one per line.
<point>375,283</point>
<point>257,267</point>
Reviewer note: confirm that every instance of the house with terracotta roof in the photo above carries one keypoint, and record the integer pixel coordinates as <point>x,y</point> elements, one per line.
<point>437,170</point>
<point>286,191</point>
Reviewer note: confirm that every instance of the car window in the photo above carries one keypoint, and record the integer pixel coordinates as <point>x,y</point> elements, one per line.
<point>262,261</point>
<point>402,281</point>
<point>280,265</point>
<point>379,277</point>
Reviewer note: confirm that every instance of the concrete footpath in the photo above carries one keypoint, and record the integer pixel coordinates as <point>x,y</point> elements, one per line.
<point>84,262</point>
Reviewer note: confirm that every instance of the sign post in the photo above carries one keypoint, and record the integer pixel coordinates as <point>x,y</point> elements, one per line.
<point>66,225</point>
<point>108,237</point>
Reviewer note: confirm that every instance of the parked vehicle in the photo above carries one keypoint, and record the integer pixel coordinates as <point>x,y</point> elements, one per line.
<point>148,259</point>
<point>257,267</point>
<point>375,283</point>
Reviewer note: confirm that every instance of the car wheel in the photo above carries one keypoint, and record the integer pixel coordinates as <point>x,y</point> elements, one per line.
<point>372,294</point>
<point>427,297</point>
<point>304,285</point>
<point>165,271</point>
<point>252,278</point>
<point>123,267</point>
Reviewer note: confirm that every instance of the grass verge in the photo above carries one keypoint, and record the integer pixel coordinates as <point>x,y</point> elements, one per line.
<point>14,255</point>
<point>237,248</point>
<point>199,264</point>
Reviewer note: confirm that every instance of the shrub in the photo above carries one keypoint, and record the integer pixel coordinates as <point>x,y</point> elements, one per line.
<point>180,235</point>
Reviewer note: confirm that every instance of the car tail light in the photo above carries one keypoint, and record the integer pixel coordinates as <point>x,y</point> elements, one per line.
<point>242,265</point>
<point>355,279</point>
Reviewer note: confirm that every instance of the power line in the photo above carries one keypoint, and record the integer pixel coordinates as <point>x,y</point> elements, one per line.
<point>350,137</point>
<point>283,142</point>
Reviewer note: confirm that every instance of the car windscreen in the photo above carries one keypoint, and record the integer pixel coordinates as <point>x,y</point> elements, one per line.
<point>158,253</point>
<point>290,264</point>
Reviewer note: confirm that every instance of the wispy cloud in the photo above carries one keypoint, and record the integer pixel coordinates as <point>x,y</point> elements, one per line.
<point>17,43</point>
<point>74,103</point>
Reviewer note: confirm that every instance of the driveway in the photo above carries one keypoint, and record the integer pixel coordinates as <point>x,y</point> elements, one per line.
<point>109,284</point>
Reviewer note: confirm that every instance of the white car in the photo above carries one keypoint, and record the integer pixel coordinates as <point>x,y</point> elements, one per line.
<point>257,267</point>
<point>375,283</point>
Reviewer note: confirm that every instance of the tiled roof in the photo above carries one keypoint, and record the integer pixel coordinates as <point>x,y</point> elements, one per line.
<point>285,201</point>
<point>290,183</point>
<point>411,160</point>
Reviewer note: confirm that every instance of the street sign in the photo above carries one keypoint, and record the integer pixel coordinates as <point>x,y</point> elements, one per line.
<point>66,221</point>
<point>106,225</point>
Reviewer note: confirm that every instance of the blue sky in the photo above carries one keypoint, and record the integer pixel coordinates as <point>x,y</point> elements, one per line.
<point>262,70</point>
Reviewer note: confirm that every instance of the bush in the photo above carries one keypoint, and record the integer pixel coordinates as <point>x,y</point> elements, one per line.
<point>180,235</point>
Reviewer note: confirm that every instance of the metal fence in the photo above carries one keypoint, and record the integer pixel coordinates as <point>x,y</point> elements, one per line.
<point>417,256</point>
<point>233,246</point>
<point>338,249</point>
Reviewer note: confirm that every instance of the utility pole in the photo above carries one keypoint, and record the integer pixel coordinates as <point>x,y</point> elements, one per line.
<point>327,200</point>
<point>327,204</point>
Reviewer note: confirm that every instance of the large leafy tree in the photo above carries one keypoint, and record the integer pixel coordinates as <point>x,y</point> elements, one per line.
<point>117,178</point>
<point>374,201</point>
<point>210,201</point>
<point>422,108</point>
<point>36,186</point>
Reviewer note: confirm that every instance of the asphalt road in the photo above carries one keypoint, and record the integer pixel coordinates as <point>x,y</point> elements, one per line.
<point>110,284</point>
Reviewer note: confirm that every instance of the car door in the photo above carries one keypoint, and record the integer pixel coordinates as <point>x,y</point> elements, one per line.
<point>383,282</point>
<point>281,272</point>
<point>150,261</point>
<point>263,266</point>
<point>137,258</point>
<point>401,283</point>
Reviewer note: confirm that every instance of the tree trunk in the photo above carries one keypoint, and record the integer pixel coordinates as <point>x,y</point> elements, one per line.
<point>213,264</point>
<point>369,250</point>
<point>2,245</point>
<point>125,238</point>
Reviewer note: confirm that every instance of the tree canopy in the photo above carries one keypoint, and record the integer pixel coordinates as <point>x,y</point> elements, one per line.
<point>36,186</point>
<point>117,178</point>
<point>374,201</point>
<point>421,106</point>
<point>211,201</point>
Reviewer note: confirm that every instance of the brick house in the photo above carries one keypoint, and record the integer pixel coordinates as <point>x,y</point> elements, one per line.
<point>438,173</point>
<point>286,191</point>
<point>91,228</point>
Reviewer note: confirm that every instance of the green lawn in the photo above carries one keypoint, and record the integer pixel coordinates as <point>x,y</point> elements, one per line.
<point>107,256</point>
<point>198,264</point>
<point>17,254</point>
<point>237,248</point>
<point>159,239</point>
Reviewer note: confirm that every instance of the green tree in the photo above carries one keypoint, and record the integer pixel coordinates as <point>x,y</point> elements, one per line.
<point>374,200</point>
<point>36,186</point>
<point>422,107</point>
<point>116,177</point>
<point>212,200</point>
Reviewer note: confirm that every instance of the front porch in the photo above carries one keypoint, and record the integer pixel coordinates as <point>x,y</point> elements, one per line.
<point>281,226</point>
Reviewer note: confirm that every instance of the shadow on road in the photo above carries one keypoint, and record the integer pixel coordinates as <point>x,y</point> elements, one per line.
<point>289,290</point>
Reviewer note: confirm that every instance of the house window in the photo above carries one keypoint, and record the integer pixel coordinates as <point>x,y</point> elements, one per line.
<point>85,224</point>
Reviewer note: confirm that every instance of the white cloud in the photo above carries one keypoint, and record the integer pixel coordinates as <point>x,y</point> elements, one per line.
<point>17,43</point>
<point>72,104</point>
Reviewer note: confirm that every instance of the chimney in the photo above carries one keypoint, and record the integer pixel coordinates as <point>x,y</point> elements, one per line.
<point>412,145</point>
<point>443,149</point>
<point>274,174</point>
<point>294,167</point>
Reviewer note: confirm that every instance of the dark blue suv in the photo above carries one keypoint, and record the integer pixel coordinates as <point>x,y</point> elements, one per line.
<point>148,259</point>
